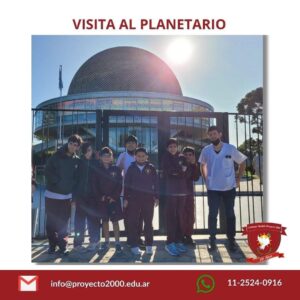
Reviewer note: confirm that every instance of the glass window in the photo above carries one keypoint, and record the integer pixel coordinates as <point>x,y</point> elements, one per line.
<point>104,103</point>
<point>167,105</point>
<point>187,106</point>
<point>153,120</point>
<point>145,119</point>
<point>67,118</point>
<point>121,119</point>
<point>129,104</point>
<point>68,104</point>
<point>143,104</point>
<point>197,122</point>
<point>112,141</point>
<point>117,104</point>
<point>79,104</point>
<point>189,121</point>
<point>129,119</point>
<point>137,119</point>
<point>197,107</point>
<point>173,120</point>
<point>178,106</point>
<point>155,104</point>
<point>82,118</point>
<point>91,116</point>
<point>181,121</point>
<point>121,136</point>
<point>112,119</point>
<point>90,104</point>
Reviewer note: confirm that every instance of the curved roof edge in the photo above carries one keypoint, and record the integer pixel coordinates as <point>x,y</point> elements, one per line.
<point>127,94</point>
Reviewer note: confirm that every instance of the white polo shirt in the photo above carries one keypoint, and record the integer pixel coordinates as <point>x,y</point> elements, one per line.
<point>220,166</point>
<point>124,161</point>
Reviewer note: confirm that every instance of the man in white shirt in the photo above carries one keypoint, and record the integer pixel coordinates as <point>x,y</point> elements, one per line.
<point>217,168</point>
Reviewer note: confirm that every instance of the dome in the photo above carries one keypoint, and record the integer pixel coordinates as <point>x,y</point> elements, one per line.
<point>125,69</point>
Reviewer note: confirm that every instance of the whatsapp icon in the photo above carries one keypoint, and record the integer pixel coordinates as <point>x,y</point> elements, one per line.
<point>205,284</point>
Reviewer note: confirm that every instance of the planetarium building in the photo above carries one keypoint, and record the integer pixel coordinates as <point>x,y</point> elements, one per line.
<point>129,81</point>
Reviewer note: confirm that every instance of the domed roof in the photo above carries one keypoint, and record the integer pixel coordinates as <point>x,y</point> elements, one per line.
<point>125,69</point>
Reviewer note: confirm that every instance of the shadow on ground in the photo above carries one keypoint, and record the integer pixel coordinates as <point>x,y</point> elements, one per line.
<point>199,254</point>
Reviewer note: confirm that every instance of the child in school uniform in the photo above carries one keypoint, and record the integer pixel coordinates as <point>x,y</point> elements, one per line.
<point>189,208</point>
<point>175,173</point>
<point>86,205</point>
<point>141,195</point>
<point>123,162</point>
<point>107,187</point>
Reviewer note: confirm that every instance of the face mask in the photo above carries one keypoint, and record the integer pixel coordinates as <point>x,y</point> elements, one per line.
<point>216,142</point>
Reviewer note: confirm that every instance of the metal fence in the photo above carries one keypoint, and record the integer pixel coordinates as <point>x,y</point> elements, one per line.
<point>51,128</point>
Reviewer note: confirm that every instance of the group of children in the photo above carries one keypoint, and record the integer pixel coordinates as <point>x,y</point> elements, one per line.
<point>129,190</point>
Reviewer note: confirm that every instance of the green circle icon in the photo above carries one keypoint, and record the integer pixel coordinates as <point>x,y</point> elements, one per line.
<point>205,284</point>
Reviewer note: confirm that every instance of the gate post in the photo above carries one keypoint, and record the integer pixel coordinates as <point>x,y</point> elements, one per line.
<point>163,134</point>
<point>99,136</point>
<point>223,125</point>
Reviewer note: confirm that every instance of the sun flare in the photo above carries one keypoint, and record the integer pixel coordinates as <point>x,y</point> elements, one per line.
<point>179,51</point>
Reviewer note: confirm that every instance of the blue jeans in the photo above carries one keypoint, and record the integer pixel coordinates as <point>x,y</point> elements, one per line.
<point>214,201</point>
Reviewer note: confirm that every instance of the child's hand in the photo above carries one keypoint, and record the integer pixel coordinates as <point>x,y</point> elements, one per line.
<point>238,181</point>
<point>156,202</point>
<point>111,200</point>
<point>125,204</point>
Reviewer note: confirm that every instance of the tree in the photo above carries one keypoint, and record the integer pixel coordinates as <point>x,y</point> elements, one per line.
<point>252,105</point>
<point>250,148</point>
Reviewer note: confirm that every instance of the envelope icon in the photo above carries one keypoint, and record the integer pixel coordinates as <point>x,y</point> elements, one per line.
<point>28,283</point>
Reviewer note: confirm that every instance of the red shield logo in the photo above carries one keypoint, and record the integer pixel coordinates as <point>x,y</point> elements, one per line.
<point>264,240</point>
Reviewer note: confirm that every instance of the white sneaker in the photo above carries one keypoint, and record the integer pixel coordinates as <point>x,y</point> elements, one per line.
<point>92,247</point>
<point>80,249</point>
<point>136,251</point>
<point>149,250</point>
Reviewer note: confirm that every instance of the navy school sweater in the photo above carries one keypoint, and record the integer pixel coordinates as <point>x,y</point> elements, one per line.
<point>193,175</point>
<point>175,179</point>
<point>107,182</point>
<point>141,184</point>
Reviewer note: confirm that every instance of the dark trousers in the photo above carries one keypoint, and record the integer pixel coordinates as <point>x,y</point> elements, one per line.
<point>58,215</point>
<point>140,209</point>
<point>140,225</point>
<point>86,211</point>
<point>214,201</point>
<point>175,218</point>
<point>189,215</point>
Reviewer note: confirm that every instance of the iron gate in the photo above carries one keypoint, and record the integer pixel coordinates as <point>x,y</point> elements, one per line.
<point>51,129</point>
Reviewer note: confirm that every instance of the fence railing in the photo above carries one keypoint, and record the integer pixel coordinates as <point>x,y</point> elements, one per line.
<point>51,129</point>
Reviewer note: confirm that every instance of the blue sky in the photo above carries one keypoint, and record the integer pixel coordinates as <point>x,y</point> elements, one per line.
<point>219,70</point>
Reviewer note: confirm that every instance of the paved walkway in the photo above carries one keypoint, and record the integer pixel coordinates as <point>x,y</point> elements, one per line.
<point>194,256</point>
